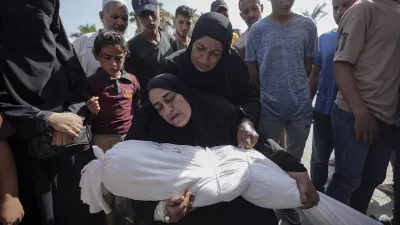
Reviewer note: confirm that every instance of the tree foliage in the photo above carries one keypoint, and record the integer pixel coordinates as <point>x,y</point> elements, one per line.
<point>84,29</point>
<point>318,12</point>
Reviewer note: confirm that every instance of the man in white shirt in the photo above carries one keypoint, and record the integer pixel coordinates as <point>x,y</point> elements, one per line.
<point>114,16</point>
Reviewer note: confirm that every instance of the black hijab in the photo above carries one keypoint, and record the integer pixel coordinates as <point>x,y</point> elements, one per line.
<point>218,27</point>
<point>38,66</point>
<point>213,122</point>
<point>150,126</point>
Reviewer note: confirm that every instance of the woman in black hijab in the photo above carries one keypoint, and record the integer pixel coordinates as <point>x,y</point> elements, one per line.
<point>43,94</point>
<point>210,65</point>
<point>178,115</point>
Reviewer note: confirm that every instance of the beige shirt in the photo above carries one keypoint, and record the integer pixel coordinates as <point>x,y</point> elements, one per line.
<point>369,39</point>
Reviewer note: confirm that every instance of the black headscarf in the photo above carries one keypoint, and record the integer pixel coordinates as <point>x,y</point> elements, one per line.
<point>38,67</point>
<point>150,126</point>
<point>218,27</point>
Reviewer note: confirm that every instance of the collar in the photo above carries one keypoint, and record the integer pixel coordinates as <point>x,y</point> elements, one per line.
<point>105,79</point>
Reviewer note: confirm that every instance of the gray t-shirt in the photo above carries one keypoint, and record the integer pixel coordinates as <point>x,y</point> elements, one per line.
<point>280,51</point>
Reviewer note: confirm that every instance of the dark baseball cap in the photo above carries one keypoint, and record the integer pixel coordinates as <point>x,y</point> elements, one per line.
<point>216,5</point>
<point>143,5</point>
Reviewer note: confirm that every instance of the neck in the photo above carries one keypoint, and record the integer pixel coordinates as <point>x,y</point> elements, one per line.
<point>181,39</point>
<point>281,19</point>
<point>117,75</point>
<point>151,35</point>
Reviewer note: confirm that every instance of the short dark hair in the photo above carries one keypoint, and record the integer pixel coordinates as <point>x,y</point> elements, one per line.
<point>240,1</point>
<point>184,11</point>
<point>109,38</point>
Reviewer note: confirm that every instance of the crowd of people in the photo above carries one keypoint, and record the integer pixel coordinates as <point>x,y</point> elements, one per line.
<point>207,85</point>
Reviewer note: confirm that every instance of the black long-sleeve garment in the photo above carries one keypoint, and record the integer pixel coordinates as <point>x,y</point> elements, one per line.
<point>40,74</point>
<point>218,126</point>
<point>38,68</point>
<point>243,94</point>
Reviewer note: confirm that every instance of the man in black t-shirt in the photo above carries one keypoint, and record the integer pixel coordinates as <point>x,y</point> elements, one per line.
<point>149,48</point>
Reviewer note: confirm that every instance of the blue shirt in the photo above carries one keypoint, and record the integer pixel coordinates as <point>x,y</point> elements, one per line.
<point>327,89</point>
<point>280,51</point>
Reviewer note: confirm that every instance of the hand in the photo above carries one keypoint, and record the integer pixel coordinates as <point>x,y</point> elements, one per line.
<point>11,210</point>
<point>366,127</point>
<point>93,105</point>
<point>246,134</point>
<point>176,208</point>
<point>68,123</point>
<point>61,139</point>
<point>309,196</point>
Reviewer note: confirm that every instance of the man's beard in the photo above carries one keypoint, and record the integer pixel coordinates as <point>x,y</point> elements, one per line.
<point>119,30</point>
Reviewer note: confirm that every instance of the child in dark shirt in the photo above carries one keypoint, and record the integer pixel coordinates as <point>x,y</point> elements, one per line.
<point>115,93</point>
<point>115,99</point>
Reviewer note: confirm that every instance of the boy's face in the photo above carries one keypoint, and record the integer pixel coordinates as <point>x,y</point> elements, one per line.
<point>183,25</point>
<point>149,21</point>
<point>282,7</point>
<point>111,59</point>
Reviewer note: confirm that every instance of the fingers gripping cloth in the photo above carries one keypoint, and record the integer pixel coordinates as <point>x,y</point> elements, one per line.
<point>149,171</point>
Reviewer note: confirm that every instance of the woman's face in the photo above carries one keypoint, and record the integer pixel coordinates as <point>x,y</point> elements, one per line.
<point>206,53</point>
<point>171,106</point>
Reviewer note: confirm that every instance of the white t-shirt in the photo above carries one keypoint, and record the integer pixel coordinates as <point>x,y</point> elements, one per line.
<point>83,47</point>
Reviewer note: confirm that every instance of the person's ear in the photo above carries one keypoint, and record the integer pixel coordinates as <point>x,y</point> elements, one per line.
<point>101,15</point>
<point>262,8</point>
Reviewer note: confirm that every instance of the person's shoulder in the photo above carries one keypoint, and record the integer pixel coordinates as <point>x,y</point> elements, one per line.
<point>308,21</point>
<point>361,9</point>
<point>134,79</point>
<point>328,34</point>
<point>167,36</point>
<point>170,39</point>
<point>176,56</point>
<point>172,62</point>
<point>259,24</point>
<point>135,40</point>
<point>94,78</point>
<point>363,5</point>
<point>84,37</point>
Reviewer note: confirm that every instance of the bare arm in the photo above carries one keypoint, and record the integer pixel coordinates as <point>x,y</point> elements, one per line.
<point>308,66</point>
<point>11,210</point>
<point>365,125</point>
<point>347,86</point>
<point>254,75</point>
<point>8,173</point>
<point>313,81</point>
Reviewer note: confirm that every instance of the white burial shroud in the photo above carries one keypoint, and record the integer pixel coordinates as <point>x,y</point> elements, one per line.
<point>149,171</point>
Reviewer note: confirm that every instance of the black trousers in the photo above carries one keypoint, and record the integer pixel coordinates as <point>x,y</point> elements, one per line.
<point>49,189</point>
